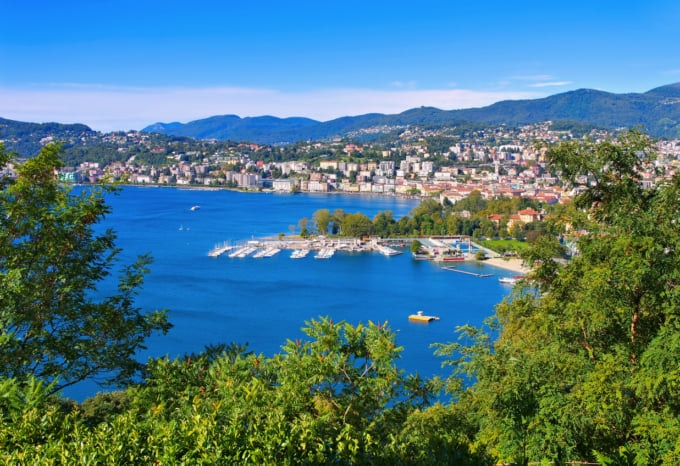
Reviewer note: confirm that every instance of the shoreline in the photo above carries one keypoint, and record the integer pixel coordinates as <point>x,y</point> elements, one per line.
<point>512,264</point>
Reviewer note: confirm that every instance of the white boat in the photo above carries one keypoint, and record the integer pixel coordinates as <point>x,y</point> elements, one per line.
<point>510,280</point>
<point>219,250</point>
<point>325,253</point>
<point>271,252</point>
<point>242,252</point>
<point>388,251</point>
<point>196,207</point>
<point>299,254</point>
<point>260,254</point>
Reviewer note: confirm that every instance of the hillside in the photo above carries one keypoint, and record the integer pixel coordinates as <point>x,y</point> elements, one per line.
<point>27,138</point>
<point>657,111</point>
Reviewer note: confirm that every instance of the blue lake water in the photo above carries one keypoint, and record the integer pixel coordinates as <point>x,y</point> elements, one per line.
<point>264,302</point>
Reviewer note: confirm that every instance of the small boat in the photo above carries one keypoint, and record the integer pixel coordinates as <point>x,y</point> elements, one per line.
<point>388,251</point>
<point>299,254</point>
<point>325,253</point>
<point>419,317</point>
<point>196,207</point>
<point>510,280</point>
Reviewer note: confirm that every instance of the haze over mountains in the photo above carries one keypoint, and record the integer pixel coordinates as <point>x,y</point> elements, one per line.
<point>657,111</point>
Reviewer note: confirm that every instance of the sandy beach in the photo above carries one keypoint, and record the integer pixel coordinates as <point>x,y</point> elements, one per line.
<point>512,264</point>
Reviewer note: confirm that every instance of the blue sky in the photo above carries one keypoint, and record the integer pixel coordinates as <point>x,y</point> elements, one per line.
<point>119,65</point>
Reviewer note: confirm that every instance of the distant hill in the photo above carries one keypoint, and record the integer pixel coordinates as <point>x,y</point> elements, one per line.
<point>25,138</point>
<point>231,127</point>
<point>657,111</point>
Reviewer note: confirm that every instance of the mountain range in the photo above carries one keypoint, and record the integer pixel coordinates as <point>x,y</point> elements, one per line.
<point>656,111</point>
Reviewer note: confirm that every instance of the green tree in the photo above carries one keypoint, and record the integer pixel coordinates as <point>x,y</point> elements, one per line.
<point>322,219</point>
<point>356,225</point>
<point>586,354</point>
<point>303,223</point>
<point>384,223</point>
<point>51,260</point>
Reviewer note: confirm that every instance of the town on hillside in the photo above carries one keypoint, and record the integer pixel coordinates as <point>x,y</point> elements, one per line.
<point>497,162</point>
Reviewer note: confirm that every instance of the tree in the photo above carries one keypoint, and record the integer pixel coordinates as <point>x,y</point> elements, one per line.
<point>322,218</point>
<point>356,225</point>
<point>585,363</point>
<point>51,260</point>
<point>336,397</point>
<point>383,223</point>
<point>303,223</point>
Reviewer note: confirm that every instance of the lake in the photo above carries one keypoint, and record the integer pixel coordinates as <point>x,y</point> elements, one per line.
<point>264,302</point>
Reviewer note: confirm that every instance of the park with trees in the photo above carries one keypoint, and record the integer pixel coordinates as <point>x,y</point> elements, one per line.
<point>580,363</point>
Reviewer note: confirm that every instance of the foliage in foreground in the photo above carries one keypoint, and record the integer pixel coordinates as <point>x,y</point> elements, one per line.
<point>586,363</point>
<point>580,363</point>
<point>51,262</point>
<point>337,398</point>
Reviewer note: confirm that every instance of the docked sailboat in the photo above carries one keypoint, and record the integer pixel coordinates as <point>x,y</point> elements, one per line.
<point>299,254</point>
<point>325,253</point>
<point>388,251</point>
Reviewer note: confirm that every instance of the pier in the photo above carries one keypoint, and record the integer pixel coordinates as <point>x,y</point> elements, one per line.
<point>451,268</point>
<point>218,250</point>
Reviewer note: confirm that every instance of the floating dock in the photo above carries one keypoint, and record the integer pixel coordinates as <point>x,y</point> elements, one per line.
<point>219,250</point>
<point>419,317</point>
<point>451,268</point>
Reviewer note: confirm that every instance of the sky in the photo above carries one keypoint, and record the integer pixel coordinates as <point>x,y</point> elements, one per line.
<point>123,65</point>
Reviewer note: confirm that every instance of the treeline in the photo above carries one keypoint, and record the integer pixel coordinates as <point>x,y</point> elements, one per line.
<point>468,217</point>
<point>581,363</point>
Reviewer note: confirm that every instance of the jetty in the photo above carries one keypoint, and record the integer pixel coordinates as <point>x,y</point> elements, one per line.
<point>451,268</point>
<point>218,250</point>
<point>242,252</point>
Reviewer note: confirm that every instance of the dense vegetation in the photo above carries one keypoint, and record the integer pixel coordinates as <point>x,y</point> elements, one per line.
<point>467,217</point>
<point>580,363</point>
<point>50,261</point>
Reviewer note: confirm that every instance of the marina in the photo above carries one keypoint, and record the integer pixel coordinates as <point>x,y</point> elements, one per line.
<point>438,249</point>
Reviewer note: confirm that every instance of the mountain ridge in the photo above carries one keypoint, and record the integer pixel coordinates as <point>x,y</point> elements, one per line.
<point>657,111</point>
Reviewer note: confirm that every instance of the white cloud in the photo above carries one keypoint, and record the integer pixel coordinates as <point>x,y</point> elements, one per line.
<point>536,77</point>
<point>115,108</point>
<point>551,84</point>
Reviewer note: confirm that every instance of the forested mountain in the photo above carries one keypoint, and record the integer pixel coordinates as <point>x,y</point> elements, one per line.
<point>657,111</point>
<point>27,138</point>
